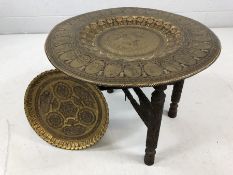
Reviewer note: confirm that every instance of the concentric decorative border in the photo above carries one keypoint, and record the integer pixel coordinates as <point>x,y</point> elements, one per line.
<point>89,33</point>
<point>48,137</point>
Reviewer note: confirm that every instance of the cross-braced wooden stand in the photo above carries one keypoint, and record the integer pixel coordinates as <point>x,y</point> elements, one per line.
<point>151,112</point>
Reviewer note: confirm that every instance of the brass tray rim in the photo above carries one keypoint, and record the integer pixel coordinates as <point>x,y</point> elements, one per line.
<point>171,80</point>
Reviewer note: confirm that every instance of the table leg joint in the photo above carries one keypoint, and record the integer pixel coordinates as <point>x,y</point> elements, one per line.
<point>176,94</point>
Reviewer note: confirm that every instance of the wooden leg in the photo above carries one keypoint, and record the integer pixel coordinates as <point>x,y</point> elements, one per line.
<point>157,102</point>
<point>151,115</point>
<point>110,91</point>
<point>176,94</point>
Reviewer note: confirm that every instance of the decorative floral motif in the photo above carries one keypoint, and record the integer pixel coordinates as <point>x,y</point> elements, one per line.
<point>62,90</point>
<point>68,109</point>
<point>55,120</point>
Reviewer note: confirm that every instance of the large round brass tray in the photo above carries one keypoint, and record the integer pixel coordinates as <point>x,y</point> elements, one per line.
<point>131,47</point>
<point>66,112</point>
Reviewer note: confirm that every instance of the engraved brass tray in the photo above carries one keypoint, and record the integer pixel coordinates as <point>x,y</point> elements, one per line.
<point>126,47</point>
<point>66,112</point>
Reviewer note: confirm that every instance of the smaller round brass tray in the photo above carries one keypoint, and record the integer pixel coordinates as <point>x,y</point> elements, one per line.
<point>66,112</point>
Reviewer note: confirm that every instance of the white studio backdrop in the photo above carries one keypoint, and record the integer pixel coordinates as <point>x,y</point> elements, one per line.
<point>39,16</point>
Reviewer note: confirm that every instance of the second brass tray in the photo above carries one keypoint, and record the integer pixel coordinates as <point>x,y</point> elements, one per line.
<point>66,112</point>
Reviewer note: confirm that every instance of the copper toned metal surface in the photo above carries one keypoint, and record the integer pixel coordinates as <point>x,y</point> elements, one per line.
<point>66,112</point>
<point>125,47</point>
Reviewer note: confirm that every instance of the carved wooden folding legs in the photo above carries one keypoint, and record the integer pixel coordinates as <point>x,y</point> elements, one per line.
<point>157,102</point>
<point>151,115</point>
<point>176,94</point>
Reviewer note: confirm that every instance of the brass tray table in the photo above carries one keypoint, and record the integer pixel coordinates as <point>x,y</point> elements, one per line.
<point>120,48</point>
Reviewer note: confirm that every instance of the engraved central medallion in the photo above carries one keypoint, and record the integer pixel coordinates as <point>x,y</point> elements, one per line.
<point>130,38</point>
<point>130,41</point>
